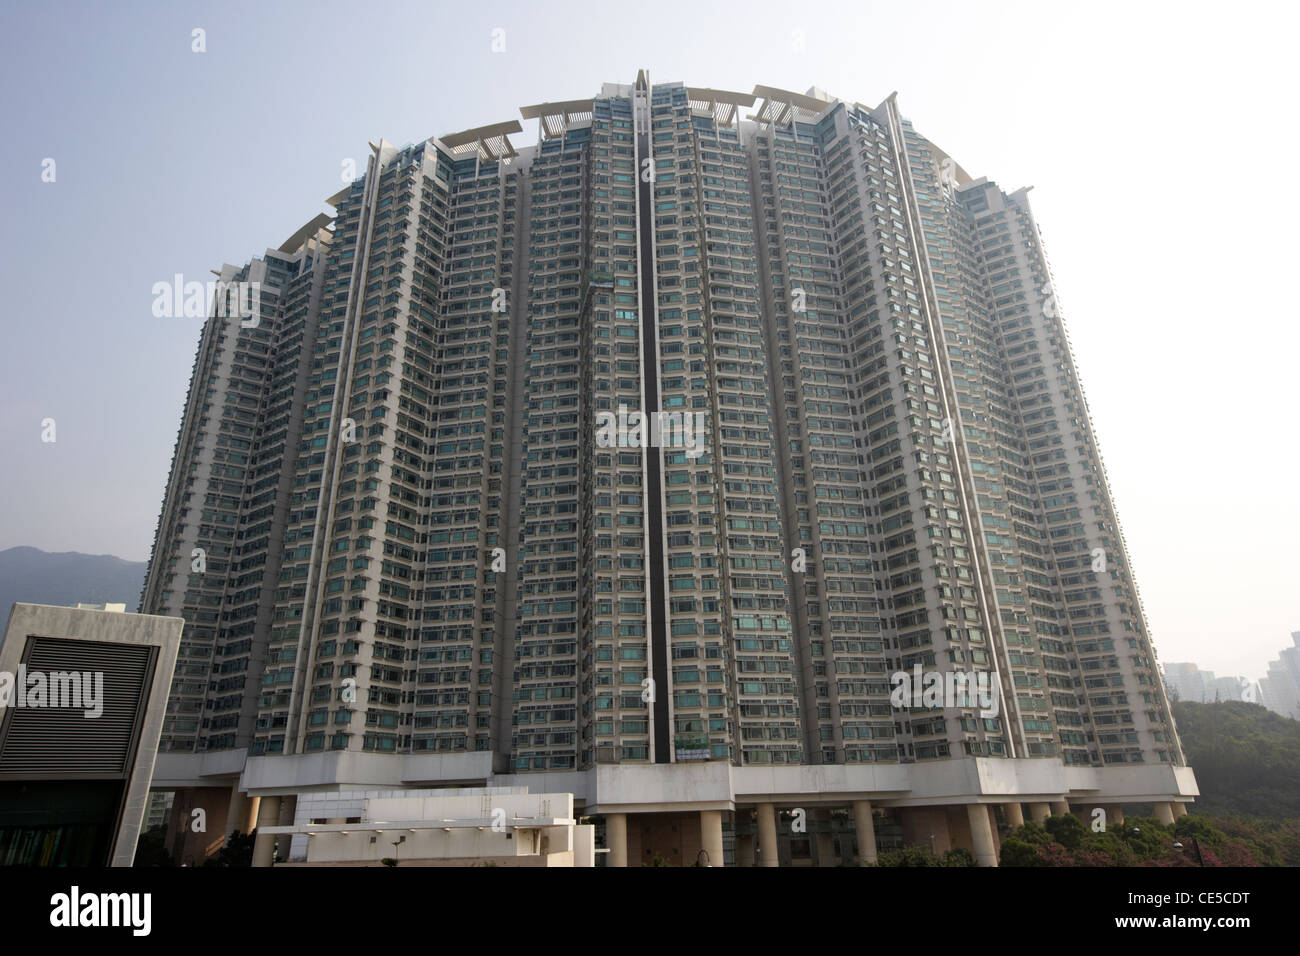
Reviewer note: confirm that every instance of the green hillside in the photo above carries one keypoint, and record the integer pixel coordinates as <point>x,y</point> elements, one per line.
<point>1246,758</point>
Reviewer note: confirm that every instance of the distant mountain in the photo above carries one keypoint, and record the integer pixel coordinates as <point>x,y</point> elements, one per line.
<point>34,576</point>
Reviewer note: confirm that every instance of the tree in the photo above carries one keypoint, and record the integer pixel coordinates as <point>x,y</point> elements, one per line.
<point>151,850</point>
<point>1247,758</point>
<point>1032,832</point>
<point>1018,852</point>
<point>1066,830</point>
<point>909,856</point>
<point>1147,837</point>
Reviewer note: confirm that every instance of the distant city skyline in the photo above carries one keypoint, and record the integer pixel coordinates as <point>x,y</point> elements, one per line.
<point>1115,148</point>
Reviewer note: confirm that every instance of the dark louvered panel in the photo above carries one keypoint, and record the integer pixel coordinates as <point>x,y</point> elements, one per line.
<point>60,741</point>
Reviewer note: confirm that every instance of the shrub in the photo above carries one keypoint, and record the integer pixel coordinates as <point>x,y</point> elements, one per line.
<point>1019,852</point>
<point>958,856</point>
<point>1066,830</point>
<point>909,856</point>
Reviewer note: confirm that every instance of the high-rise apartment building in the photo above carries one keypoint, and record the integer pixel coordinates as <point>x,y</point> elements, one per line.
<point>423,535</point>
<point>1185,681</point>
<point>1280,690</point>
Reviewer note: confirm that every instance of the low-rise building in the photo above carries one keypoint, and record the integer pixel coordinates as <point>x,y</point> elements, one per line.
<point>498,826</point>
<point>83,693</point>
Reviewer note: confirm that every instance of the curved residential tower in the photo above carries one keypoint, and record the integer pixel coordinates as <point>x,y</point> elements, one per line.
<point>718,459</point>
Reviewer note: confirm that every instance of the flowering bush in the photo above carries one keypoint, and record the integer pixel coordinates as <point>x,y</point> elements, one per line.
<point>1142,841</point>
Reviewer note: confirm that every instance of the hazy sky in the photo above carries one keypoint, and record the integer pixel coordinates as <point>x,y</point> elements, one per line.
<point>1158,138</point>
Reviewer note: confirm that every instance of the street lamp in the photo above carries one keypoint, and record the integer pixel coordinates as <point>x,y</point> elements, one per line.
<point>1200,860</point>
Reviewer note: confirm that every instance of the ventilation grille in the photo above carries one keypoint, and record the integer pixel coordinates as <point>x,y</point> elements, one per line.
<point>60,742</point>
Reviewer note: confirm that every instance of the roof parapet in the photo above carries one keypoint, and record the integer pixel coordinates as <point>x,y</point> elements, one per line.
<point>782,107</point>
<point>491,143</point>
<point>722,104</point>
<point>554,118</point>
<point>308,231</point>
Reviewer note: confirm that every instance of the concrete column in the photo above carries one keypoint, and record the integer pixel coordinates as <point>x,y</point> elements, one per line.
<point>616,838</point>
<point>711,836</point>
<point>264,846</point>
<point>866,832</point>
<point>744,849</point>
<point>251,807</point>
<point>236,810</point>
<point>767,853</point>
<point>1015,816</point>
<point>1164,813</point>
<point>1180,809</point>
<point>825,840</point>
<point>1060,808</point>
<point>981,834</point>
<point>1114,815</point>
<point>1039,812</point>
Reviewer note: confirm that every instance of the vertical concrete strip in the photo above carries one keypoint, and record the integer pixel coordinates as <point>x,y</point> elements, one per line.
<point>264,846</point>
<point>616,838</point>
<point>981,832</point>
<point>866,831</point>
<point>711,836</point>
<point>1015,815</point>
<point>767,853</point>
